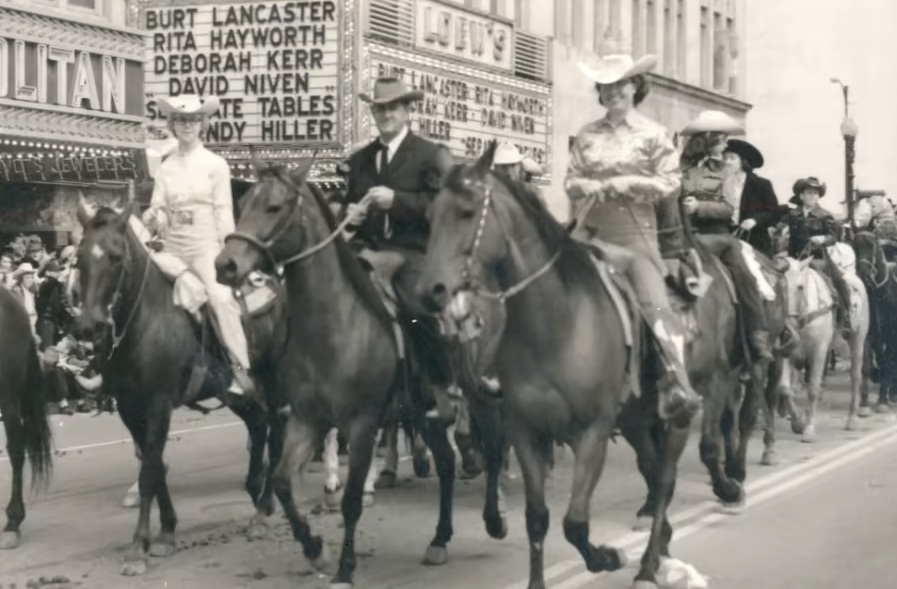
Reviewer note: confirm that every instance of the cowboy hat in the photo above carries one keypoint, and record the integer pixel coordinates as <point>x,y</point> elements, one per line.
<point>51,267</point>
<point>613,68</point>
<point>713,121</point>
<point>531,167</point>
<point>22,269</point>
<point>387,90</point>
<point>189,104</point>
<point>746,152</point>
<point>808,183</point>
<point>507,154</point>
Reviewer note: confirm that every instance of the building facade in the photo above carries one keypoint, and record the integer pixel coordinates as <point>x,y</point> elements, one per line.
<point>71,111</point>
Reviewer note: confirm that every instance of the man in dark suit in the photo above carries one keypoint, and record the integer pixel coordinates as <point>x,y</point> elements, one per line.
<point>759,209</point>
<point>391,183</point>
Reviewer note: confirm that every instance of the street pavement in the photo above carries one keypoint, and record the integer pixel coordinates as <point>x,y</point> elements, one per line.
<point>815,520</point>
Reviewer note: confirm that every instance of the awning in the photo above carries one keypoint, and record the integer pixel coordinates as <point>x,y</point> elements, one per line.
<point>56,162</point>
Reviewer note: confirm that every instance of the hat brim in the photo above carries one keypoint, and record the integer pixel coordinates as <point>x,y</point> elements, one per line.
<point>642,66</point>
<point>801,185</point>
<point>717,122</point>
<point>410,96</point>
<point>206,107</point>
<point>747,152</point>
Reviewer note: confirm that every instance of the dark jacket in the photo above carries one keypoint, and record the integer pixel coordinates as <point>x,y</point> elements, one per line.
<point>714,213</point>
<point>50,302</point>
<point>415,173</point>
<point>759,202</point>
<point>802,227</point>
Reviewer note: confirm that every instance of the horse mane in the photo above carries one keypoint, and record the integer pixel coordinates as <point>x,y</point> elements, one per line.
<point>574,263</point>
<point>357,276</point>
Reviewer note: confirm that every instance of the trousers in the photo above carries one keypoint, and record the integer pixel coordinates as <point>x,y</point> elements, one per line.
<point>728,250</point>
<point>224,306</point>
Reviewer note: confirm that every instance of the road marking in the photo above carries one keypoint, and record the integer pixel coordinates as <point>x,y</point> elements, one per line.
<point>769,487</point>
<point>130,441</point>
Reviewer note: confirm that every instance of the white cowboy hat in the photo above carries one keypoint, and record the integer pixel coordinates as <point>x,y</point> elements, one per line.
<point>713,121</point>
<point>613,68</point>
<point>387,90</point>
<point>507,154</point>
<point>531,167</point>
<point>24,268</point>
<point>189,104</point>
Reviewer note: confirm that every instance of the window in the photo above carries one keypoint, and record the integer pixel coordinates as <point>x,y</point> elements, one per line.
<point>651,26</point>
<point>669,41</point>
<point>637,32</point>
<point>82,7</point>
<point>706,55</point>
<point>681,40</point>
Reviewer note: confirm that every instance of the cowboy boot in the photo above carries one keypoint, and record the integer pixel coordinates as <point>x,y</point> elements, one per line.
<point>677,397</point>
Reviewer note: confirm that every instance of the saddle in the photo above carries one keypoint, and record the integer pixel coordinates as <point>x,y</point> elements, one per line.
<point>382,266</point>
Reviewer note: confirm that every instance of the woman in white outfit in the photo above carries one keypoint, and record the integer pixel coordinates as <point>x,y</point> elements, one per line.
<point>192,210</point>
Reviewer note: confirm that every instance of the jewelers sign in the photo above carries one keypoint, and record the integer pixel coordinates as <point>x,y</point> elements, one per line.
<point>274,65</point>
<point>465,109</point>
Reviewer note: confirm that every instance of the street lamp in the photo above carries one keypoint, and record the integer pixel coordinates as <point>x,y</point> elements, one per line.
<point>849,132</point>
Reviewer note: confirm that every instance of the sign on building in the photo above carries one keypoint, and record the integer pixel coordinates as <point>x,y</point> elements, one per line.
<point>463,34</point>
<point>274,65</point>
<point>465,108</point>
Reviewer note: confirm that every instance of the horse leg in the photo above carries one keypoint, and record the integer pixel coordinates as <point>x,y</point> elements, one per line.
<point>486,413</point>
<point>256,419</point>
<point>739,419</point>
<point>639,435</point>
<point>370,482</point>
<point>856,340</point>
<point>785,396</point>
<point>717,391</point>
<point>674,441</point>
<point>300,441</point>
<point>532,450</point>
<point>388,478</point>
<point>362,436</point>
<point>864,409</point>
<point>15,511</point>
<point>436,437</point>
<point>258,525</point>
<point>817,365</point>
<point>420,457</point>
<point>768,406</point>
<point>333,488</point>
<point>590,450</point>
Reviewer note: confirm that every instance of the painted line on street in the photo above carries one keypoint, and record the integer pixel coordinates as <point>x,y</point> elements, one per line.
<point>767,488</point>
<point>130,441</point>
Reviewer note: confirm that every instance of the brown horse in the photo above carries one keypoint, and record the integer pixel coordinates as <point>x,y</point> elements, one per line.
<point>344,367</point>
<point>148,351</point>
<point>563,358</point>
<point>23,403</point>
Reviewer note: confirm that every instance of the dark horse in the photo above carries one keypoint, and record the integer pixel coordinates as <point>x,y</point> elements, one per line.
<point>148,349</point>
<point>877,273</point>
<point>563,358</point>
<point>344,367</point>
<point>23,403</point>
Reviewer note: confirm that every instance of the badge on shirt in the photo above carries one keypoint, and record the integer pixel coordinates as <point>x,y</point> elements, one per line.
<point>183,217</point>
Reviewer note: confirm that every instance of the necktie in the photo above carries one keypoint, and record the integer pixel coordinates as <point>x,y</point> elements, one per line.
<point>384,164</point>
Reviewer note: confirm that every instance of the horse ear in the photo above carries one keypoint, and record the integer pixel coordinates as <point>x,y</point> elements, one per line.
<point>121,221</point>
<point>484,164</point>
<point>300,174</point>
<point>85,211</point>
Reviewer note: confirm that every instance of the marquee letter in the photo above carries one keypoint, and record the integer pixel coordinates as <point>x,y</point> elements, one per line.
<point>62,57</point>
<point>23,91</point>
<point>85,83</point>
<point>113,84</point>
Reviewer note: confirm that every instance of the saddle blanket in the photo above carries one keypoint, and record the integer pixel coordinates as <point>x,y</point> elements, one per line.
<point>750,259</point>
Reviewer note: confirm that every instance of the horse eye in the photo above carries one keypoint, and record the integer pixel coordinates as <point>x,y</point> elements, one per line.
<point>467,214</point>
<point>274,209</point>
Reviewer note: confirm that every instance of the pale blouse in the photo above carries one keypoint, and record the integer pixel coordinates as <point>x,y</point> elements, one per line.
<point>633,160</point>
<point>192,202</point>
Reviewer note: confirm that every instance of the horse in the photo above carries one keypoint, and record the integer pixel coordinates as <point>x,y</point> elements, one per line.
<point>23,405</point>
<point>154,357</point>
<point>877,274</point>
<point>812,305</point>
<point>345,366</point>
<point>564,357</point>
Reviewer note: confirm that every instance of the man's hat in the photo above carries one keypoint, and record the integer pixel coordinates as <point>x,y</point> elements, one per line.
<point>713,121</point>
<point>808,183</point>
<point>387,90</point>
<point>746,151</point>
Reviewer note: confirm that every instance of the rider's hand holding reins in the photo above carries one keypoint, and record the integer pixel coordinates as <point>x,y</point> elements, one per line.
<point>748,224</point>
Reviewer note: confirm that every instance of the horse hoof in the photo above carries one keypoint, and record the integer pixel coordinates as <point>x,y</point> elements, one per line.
<point>809,435</point>
<point>643,523</point>
<point>618,554</point>
<point>436,555</point>
<point>386,480</point>
<point>797,426</point>
<point>769,458</point>
<point>333,498</point>
<point>644,585</point>
<point>258,526</point>
<point>497,527</point>
<point>162,549</point>
<point>321,563</point>
<point>864,411</point>
<point>10,540</point>
<point>133,568</point>
<point>341,585</point>
<point>131,500</point>
<point>851,424</point>
<point>421,466</point>
<point>882,408</point>
<point>368,499</point>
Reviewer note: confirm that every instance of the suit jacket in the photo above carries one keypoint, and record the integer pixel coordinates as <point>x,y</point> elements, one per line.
<point>415,174</point>
<point>759,202</point>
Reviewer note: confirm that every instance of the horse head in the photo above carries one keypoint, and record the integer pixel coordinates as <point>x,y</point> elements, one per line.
<point>869,255</point>
<point>102,263</point>
<point>265,234</point>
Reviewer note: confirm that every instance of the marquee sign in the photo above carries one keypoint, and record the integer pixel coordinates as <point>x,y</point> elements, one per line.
<point>463,34</point>
<point>274,65</point>
<point>62,168</point>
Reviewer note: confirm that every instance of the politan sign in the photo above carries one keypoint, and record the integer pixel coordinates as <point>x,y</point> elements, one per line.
<point>274,66</point>
<point>465,113</point>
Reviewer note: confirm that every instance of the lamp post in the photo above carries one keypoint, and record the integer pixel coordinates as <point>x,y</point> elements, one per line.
<point>849,131</point>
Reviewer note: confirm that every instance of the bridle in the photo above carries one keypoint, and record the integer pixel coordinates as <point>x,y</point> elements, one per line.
<point>873,265</point>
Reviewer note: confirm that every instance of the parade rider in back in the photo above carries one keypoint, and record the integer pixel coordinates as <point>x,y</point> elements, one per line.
<point>192,210</point>
<point>623,179</point>
<point>391,183</point>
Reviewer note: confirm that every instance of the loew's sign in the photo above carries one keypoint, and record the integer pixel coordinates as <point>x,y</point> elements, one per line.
<point>39,167</point>
<point>466,113</point>
<point>274,65</point>
<point>463,34</point>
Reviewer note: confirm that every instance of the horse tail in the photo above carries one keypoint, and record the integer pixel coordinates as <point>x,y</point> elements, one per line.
<point>35,421</point>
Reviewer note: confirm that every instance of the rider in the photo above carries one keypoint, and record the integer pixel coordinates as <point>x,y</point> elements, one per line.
<point>390,185</point>
<point>192,209</point>
<point>624,179</point>
<point>709,198</point>
<point>510,163</point>
<point>875,213</point>
<point>812,228</point>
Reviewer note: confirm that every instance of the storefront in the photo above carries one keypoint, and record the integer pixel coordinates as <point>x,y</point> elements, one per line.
<point>71,121</point>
